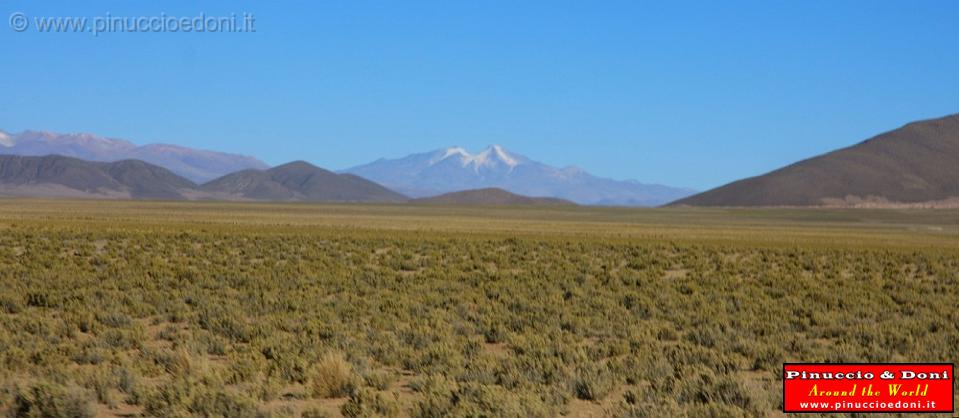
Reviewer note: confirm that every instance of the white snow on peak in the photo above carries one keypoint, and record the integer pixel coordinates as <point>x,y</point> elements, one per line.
<point>504,156</point>
<point>449,152</point>
<point>5,139</point>
<point>492,155</point>
<point>455,151</point>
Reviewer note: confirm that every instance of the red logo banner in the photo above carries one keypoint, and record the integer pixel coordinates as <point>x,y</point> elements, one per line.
<point>873,387</point>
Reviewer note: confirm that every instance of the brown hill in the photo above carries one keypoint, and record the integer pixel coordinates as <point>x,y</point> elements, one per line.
<point>55,175</point>
<point>916,163</point>
<point>489,196</point>
<point>299,181</point>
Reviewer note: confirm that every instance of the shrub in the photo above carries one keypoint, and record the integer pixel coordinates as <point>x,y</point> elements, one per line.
<point>129,383</point>
<point>114,319</point>
<point>314,413</point>
<point>437,395</point>
<point>48,400</point>
<point>379,380</point>
<point>593,382</point>
<point>365,402</point>
<point>331,377</point>
<point>10,305</point>
<point>221,403</point>
<point>662,407</point>
<point>174,362</point>
<point>101,382</point>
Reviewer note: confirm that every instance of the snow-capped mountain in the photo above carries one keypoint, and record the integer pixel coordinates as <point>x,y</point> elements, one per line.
<point>197,165</point>
<point>5,139</point>
<point>454,169</point>
<point>492,157</point>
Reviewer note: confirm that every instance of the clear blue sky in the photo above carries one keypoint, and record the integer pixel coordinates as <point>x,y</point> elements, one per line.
<point>682,93</point>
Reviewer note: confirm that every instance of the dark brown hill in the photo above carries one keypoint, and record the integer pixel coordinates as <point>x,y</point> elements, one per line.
<point>489,196</point>
<point>300,181</point>
<point>916,163</point>
<point>55,175</point>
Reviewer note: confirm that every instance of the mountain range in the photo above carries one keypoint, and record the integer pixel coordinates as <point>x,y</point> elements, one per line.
<point>915,165</point>
<point>417,175</point>
<point>454,169</point>
<point>197,165</point>
<point>59,176</point>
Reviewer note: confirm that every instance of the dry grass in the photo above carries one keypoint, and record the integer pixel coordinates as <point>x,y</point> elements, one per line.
<point>210,309</point>
<point>331,377</point>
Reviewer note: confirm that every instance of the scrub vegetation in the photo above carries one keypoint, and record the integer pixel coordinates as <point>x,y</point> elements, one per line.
<point>236,310</point>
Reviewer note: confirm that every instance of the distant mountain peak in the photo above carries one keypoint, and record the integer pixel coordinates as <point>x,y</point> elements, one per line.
<point>456,169</point>
<point>5,139</point>
<point>296,164</point>
<point>451,151</point>
<point>496,153</point>
<point>72,138</point>
<point>490,156</point>
<point>34,133</point>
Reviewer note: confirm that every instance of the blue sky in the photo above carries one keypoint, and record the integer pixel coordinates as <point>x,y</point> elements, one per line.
<point>682,93</point>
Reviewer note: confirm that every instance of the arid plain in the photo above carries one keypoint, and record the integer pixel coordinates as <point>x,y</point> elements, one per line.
<point>133,308</point>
